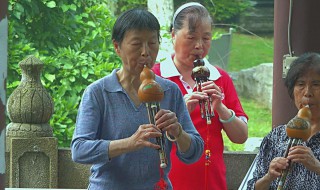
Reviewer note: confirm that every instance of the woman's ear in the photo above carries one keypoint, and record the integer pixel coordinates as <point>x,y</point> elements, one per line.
<point>173,36</point>
<point>116,46</point>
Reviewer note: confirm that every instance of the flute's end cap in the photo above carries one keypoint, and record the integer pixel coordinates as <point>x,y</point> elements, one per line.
<point>163,165</point>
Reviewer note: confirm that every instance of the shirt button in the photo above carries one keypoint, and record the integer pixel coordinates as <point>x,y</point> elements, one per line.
<point>188,87</point>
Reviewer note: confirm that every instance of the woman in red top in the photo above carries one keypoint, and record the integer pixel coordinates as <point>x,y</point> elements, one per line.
<point>191,36</point>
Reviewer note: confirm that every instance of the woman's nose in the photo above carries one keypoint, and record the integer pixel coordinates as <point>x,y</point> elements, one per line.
<point>199,44</point>
<point>145,50</point>
<point>308,91</point>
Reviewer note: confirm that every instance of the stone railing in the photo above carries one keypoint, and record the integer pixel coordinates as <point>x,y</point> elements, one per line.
<point>71,175</point>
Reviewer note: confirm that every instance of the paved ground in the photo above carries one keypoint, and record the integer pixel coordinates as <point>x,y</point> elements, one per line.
<point>252,144</point>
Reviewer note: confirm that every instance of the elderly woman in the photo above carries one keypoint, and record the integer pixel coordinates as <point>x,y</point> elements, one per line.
<point>191,37</point>
<point>303,84</point>
<point>113,132</point>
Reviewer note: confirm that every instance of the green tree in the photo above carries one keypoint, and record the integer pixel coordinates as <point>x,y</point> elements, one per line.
<point>226,10</point>
<point>221,10</point>
<point>73,39</point>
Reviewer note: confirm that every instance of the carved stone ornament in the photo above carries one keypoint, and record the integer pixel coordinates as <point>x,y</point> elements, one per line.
<point>30,106</point>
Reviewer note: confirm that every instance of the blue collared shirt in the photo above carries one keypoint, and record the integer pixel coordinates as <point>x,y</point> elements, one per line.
<point>107,113</point>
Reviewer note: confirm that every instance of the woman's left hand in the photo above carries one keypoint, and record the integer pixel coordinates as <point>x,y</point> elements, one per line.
<point>214,92</point>
<point>304,156</point>
<point>167,121</point>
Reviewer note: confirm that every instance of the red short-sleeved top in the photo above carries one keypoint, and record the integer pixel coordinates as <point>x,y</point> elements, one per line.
<point>192,177</point>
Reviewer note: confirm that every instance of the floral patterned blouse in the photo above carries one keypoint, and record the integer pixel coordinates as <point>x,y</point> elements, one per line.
<point>274,145</point>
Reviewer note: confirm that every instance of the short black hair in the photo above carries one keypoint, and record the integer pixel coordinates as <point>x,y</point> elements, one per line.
<point>134,19</point>
<point>299,67</point>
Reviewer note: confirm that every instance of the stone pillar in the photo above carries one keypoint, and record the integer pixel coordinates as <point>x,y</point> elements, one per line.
<point>33,150</point>
<point>3,76</point>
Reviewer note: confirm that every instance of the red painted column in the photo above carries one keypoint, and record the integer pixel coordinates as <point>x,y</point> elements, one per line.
<point>305,30</point>
<point>3,76</point>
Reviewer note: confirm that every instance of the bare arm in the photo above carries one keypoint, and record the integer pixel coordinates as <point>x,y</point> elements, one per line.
<point>236,129</point>
<point>263,183</point>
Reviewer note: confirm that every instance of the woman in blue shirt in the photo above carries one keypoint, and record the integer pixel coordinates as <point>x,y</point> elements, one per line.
<point>113,132</point>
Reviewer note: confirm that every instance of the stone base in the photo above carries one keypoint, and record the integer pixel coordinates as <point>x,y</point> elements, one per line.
<point>33,163</point>
<point>27,130</point>
<point>76,176</point>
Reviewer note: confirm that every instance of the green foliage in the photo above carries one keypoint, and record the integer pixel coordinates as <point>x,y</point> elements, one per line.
<point>73,39</point>
<point>16,49</point>
<point>52,24</point>
<point>259,124</point>
<point>129,4</point>
<point>223,10</point>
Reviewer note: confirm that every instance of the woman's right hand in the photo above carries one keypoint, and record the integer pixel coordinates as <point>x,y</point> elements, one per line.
<point>141,137</point>
<point>192,100</point>
<point>276,166</point>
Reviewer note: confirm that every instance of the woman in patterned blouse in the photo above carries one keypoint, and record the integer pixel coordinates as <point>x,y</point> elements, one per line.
<point>303,84</point>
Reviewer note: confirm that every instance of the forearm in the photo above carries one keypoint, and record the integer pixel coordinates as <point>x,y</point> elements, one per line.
<point>118,147</point>
<point>263,183</point>
<point>317,168</point>
<point>182,139</point>
<point>183,142</point>
<point>235,128</point>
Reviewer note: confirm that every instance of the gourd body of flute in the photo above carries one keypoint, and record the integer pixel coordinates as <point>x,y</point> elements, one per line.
<point>299,126</point>
<point>149,90</point>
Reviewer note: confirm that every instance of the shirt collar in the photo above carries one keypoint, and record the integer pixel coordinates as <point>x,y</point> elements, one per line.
<point>111,82</point>
<point>168,69</point>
